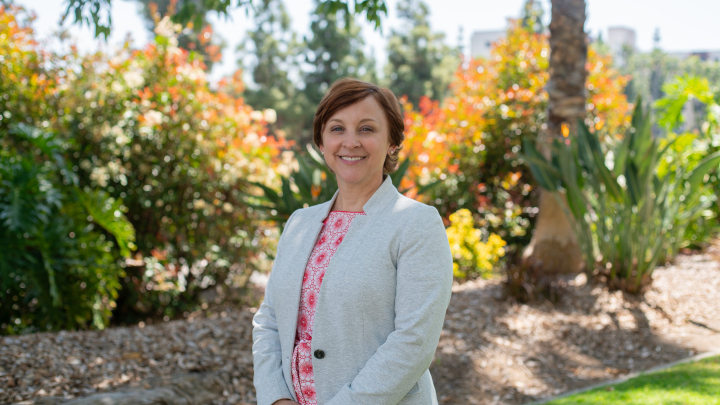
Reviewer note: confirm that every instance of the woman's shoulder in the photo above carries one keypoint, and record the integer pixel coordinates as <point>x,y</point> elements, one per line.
<point>409,208</point>
<point>412,219</point>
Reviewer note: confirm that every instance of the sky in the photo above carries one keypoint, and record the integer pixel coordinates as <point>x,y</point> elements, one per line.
<point>685,25</point>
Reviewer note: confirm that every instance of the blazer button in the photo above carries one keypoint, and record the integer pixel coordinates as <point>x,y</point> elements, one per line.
<point>319,354</point>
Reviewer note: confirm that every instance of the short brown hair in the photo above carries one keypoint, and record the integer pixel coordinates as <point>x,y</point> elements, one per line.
<point>347,91</point>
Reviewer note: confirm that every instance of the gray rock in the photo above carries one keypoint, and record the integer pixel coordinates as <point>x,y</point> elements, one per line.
<point>182,389</point>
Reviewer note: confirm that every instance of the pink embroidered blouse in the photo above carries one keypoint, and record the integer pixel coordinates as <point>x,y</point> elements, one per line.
<point>333,231</point>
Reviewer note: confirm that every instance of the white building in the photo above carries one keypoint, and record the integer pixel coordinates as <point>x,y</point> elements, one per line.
<point>481,42</point>
<point>713,56</point>
<point>619,39</point>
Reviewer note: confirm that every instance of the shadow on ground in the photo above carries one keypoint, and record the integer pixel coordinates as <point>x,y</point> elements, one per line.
<point>494,350</point>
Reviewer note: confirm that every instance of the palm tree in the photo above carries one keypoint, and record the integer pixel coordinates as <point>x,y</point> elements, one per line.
<point>553,248</point>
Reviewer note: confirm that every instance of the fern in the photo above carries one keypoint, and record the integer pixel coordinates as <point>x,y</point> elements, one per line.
<point>59,269</point>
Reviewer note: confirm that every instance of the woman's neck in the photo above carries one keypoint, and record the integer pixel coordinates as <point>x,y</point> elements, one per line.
<point>353,198</point>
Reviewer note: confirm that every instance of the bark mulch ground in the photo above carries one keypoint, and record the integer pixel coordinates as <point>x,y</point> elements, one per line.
<point>492,349</point>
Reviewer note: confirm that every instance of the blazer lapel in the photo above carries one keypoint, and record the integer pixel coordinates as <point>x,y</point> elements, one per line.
<point>383,196</point>
<point>361,226</point>
<point>301,246</point>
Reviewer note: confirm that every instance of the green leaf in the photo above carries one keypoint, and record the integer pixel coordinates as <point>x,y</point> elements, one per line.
<point>270,194</point>
<point>677,93</point>
<point>595,151</point>
<point>706,165</point>
<point>545,173</point>
<point>107,213</point>
<point>48,265</point>
<point>424,189</point>
<point>397,176</point>
<point>314,155</point>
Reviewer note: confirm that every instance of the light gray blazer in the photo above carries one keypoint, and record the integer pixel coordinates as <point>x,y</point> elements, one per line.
<point>380,309</point>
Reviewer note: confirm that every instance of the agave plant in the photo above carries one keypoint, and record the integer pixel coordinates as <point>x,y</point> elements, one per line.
<point>315,183</point>
<point>626,217</point>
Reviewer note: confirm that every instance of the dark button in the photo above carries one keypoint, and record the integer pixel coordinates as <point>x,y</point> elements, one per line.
<point>319,354</point>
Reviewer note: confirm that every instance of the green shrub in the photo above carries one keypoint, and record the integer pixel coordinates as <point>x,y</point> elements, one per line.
<point>61,246</point>
<point>698,139</point>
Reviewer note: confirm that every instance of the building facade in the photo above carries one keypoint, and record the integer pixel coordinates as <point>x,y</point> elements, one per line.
<point>481,42</point>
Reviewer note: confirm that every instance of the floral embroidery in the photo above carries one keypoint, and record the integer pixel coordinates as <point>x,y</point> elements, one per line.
<point>334,229</point>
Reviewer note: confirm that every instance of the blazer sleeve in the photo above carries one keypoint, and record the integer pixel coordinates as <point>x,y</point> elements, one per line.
<point>422,295</point>
<point>268,377</point>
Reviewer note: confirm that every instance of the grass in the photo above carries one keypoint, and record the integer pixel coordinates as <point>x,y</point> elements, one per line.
<point>695,383</point>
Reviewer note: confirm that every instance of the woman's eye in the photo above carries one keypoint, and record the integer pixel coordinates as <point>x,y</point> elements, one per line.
<point>366,129</point>
<point>336,129</point>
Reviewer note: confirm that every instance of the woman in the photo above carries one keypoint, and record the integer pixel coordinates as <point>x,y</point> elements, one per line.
<point>369,334</point>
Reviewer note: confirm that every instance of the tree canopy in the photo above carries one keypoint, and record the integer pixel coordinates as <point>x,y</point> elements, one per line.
<point>96,13</point>
<point>271,53</point>
<point>419,62</point>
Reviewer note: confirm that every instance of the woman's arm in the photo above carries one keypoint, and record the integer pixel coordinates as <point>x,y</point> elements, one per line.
<point>424,285</point>
<point>268,379</point>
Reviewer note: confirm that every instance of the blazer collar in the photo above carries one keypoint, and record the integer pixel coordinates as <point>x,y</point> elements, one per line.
<point>374,205</point>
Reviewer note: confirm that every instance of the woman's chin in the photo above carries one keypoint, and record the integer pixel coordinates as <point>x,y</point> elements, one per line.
<point>351,177</point>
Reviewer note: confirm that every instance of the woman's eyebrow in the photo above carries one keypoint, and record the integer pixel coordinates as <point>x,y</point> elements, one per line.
<point>361,121</point>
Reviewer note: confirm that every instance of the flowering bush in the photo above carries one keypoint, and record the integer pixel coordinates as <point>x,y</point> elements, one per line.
<point>178,154</point>
<point>472,257</point>
<point>472,139</point>
<point>144,126</point>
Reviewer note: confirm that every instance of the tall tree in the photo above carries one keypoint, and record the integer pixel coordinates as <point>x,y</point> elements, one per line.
<point>419,61</point>
<point>553,248</point>
<point>270,53</point>
<point>334,50</point>
<point>532,16</point>
<point>198,38</point>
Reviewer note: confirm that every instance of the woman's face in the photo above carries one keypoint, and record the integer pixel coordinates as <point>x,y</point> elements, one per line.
<point>356,141</point>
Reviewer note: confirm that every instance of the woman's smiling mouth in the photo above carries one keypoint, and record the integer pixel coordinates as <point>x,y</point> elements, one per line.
<point>352,158</point>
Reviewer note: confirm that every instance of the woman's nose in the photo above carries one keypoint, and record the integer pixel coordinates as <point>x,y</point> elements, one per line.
<point>351,141</point>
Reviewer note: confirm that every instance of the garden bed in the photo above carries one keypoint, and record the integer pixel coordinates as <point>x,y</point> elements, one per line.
<point>492,350</point>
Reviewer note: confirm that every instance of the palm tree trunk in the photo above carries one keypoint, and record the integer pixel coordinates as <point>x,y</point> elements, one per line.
<point>553,248</point>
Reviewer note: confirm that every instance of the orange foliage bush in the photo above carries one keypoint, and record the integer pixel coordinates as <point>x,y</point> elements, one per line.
<point>470,142</point>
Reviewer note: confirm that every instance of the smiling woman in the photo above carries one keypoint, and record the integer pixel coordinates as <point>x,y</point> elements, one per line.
<point>359,129</point>
<point>357,295</point>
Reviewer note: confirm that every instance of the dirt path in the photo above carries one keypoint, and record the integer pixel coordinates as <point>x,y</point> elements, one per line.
<point>491,351</point>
